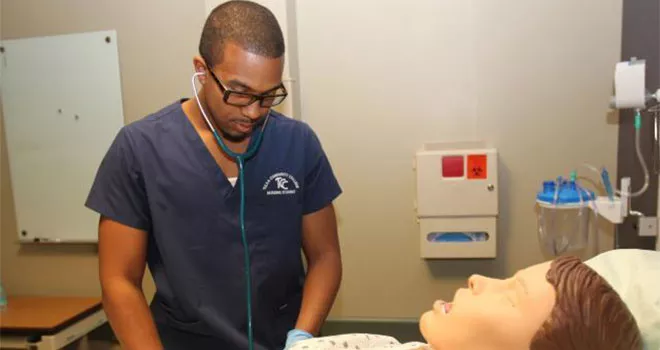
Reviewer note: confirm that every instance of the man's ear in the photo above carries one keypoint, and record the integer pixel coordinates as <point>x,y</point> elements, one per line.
<point>200,67</point>
<point>202,76</point>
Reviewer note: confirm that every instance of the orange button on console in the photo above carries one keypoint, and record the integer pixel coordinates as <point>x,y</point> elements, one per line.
<point>477,165</point>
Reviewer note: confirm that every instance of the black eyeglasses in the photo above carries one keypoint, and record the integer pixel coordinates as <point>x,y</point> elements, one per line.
<point>242,99</point>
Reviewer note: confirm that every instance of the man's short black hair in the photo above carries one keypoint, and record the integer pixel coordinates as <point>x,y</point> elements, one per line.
<point>249,25</point>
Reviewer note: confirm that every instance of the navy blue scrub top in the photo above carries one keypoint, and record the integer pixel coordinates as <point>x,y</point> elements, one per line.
<point>159,177</point>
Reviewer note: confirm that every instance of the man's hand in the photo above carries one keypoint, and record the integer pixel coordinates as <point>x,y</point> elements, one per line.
<point>324,268</point>
<point>294,336</point>
<point>122,260</point>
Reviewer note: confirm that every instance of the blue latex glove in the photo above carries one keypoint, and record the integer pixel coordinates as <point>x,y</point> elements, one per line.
<point>294,336</point>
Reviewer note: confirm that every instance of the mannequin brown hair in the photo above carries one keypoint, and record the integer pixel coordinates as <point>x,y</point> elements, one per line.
<point>588,313</point>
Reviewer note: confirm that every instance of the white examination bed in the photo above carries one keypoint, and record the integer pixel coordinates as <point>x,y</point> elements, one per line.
<point>635,275</point>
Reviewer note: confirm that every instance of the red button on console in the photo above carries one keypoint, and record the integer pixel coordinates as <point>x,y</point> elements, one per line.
<point>453,166</point>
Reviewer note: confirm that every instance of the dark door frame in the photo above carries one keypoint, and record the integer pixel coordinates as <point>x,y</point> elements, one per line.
<point>640,38</point>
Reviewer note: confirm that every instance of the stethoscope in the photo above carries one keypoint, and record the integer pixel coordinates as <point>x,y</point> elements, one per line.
<point>240,160</point>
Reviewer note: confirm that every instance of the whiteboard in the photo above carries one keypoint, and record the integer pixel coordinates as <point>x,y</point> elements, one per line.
<point>62,108</point>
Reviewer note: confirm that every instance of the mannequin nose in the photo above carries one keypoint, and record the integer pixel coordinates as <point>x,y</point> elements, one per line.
<point>476,283</point>
<point>479,284</point>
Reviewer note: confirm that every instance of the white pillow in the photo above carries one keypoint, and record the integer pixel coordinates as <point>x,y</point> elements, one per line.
<point>635,275</point>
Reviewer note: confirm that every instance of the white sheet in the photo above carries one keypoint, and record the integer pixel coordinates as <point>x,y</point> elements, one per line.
<point>635,275</point>
<point>357,341</point>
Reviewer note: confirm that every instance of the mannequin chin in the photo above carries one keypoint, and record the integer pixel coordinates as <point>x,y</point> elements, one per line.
<point>492,313</point>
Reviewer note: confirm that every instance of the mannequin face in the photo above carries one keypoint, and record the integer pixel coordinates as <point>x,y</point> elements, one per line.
<point>492,313</point>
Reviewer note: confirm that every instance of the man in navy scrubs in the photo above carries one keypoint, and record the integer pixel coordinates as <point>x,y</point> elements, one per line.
<point>168,197</point>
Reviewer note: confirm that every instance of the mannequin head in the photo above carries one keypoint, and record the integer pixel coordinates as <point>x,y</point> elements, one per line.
<point>561,304</point>
<point>588,313</point>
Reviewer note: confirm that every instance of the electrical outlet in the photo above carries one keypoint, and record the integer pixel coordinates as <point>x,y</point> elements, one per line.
<point>647,226</point>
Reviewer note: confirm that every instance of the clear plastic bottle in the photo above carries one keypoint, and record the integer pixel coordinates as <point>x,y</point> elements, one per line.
<point>564,217</point>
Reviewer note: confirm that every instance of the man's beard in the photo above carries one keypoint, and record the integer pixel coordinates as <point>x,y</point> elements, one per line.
<point>237,137</point>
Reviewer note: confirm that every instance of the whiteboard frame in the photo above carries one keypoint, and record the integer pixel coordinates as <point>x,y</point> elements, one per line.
<point>62,108</point>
